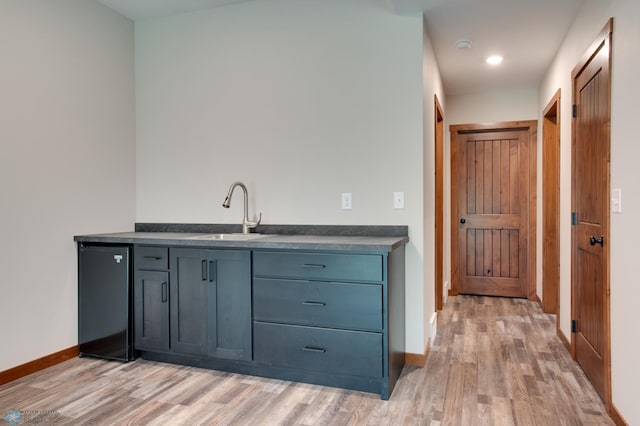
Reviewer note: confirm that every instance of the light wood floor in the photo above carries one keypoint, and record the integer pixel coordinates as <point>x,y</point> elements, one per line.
<point>495,362</point>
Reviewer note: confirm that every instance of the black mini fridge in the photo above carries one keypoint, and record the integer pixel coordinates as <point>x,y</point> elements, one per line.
<point>104,302</point>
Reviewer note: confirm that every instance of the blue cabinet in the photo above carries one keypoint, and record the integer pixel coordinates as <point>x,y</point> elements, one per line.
<point>197,303</point>
<point>211,302</point>
<point>331,318</point>
<point>318,303</point>
<point>151,310</point>
<point>320,350</point>
<point>151,298</point>
<point>319,266</point>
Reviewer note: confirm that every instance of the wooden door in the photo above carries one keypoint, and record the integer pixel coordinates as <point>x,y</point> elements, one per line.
<point>590,245</point>
<point>491,210</point>
<point>551,207</point>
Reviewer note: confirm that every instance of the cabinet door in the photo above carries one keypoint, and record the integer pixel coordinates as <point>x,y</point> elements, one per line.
<point>151,310</point>
<point>190,271</point>
<point>230,304</point>
<point>211,303</point>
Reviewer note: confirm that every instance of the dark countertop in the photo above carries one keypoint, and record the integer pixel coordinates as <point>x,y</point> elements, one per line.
<point>265,241</point>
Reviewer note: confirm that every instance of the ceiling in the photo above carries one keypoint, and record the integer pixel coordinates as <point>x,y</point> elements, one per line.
<point>144,9</point>
<point>527,33</point>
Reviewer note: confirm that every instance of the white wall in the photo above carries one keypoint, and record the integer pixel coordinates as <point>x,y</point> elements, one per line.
<point>299,99</point>
<point>432,85</point>
<point>67,158</point>
<point>625,152</point>
<point>490,107</point>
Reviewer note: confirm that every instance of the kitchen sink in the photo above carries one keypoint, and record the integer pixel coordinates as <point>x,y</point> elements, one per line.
<point>228,237</point>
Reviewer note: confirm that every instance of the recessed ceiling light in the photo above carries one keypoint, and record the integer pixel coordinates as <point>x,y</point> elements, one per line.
<point>494,60</point>
<point>463,44</point>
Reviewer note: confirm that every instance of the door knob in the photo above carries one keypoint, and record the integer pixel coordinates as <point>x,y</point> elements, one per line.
<point>463,221</point>
<point>593,240</point>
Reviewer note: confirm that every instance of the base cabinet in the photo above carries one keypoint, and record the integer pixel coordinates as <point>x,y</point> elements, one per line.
<point>151,298</point>
<point>325,317</point>
<point>211,303</point>
<point>199,305</point>
<point>192,279</point>
<point>335,317</point>
<point>151,310</point>
<point>318,349</point>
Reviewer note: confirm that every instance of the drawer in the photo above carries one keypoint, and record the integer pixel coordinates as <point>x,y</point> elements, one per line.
<point>323,304</point>
<point>151,258</point>
<point>337,267</point>
<point>318,349</point>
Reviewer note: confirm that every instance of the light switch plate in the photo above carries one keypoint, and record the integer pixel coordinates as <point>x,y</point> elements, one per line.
<point>346,201</point>
<point>616,200</point>
<point>398,200</point>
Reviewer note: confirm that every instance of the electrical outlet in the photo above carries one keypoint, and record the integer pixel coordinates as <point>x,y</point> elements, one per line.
<point>346,201</point>
<point>398,200</point>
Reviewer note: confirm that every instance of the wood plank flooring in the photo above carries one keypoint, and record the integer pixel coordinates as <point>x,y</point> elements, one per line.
<point>495,361</point>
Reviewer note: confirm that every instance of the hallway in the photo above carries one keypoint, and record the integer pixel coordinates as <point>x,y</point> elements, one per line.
<point>495,362</point>
<point>498,361</point>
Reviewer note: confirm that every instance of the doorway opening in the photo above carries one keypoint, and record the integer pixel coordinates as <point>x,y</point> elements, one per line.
<point>551,207</point>
<point>439,204</point>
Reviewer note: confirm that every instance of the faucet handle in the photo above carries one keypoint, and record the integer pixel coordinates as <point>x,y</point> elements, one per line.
<point>250,224</point>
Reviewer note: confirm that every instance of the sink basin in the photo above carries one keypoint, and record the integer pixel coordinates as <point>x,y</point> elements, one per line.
<point>227,237</point>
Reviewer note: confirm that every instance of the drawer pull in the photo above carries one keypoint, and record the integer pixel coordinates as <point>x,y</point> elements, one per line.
<point>314,265</point>
<point>312,349</point>
<point>153,257</point>
<point>165,292</point>
<point>309,303</point>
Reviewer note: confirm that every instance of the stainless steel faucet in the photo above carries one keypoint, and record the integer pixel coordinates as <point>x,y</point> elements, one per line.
<point>246,223</point>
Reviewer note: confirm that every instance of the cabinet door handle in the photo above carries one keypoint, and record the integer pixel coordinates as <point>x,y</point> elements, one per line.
<point>204,270</point>
<point>314,265</point>
<point>309,303</point>
<point>314,349</point>
<point>164,287</point>
<point>213,271</point>
<point>152,257</point>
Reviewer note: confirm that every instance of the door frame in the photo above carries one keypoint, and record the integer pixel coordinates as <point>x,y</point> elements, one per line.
<point>551,207</point>
<point>531,126</point>
<point>603,40</point>
<point>439,204</point>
